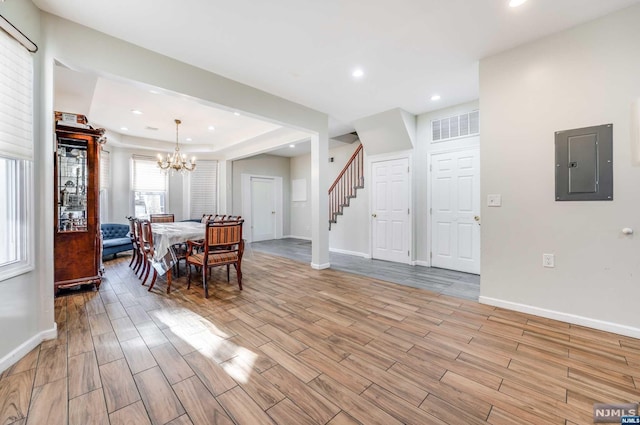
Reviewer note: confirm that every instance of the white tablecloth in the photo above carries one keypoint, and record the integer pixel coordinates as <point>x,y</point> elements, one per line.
<point>167,234</point>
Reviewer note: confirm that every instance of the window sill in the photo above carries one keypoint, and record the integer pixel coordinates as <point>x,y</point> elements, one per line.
<point>12,270</point>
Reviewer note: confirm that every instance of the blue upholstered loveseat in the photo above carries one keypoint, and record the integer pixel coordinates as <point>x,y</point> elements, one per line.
<point>115,238</point>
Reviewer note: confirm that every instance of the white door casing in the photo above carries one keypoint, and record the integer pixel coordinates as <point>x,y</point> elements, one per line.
<point>455,210</point>
<point>265,211</point>
<point>390,217</point>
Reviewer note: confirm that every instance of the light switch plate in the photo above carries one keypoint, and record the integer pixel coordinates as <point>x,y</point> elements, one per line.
<point>548,260</point>
<point>494,200</point>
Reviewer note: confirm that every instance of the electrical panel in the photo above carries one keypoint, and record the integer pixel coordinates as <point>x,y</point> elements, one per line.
<point>584,164</point>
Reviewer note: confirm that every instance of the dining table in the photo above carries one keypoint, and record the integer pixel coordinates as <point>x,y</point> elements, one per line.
<point>165,236</point>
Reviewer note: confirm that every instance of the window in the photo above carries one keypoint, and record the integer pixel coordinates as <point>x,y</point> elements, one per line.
<point>105,183</point>
<point>203,190</point>
<point>148,187</point>
<point>16,156</point>
<point>105,169</point>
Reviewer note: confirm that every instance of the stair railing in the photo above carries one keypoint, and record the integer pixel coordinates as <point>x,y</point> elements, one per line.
<point>345,185</point>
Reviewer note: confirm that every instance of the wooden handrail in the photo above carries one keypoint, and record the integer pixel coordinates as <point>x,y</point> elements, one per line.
<point>357,151</point>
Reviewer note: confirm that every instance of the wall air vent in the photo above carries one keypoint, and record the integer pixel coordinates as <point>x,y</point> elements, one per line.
<point>455,127</point>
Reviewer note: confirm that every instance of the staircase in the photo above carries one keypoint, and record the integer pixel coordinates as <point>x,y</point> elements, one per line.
<point>350,179</point>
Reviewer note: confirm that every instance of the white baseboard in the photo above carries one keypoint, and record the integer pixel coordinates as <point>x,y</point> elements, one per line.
<point>320,266</point>
<point>304,238</point>
<point>347,252</point>
<point>50,333</point>
<point>422,263</point>
<point>564,317</point>
<point>24,348</point>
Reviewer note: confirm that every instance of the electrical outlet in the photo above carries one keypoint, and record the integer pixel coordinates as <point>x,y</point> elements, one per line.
<point>548,260</point>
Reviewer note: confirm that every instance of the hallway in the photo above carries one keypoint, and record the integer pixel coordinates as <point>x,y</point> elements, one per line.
<point>441,281</point>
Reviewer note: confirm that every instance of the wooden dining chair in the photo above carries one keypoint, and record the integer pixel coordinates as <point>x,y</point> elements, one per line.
<point>132,237</point>
<point>180,251</point>
<point>211,217</point>
<point>222,245</point>
<point>140,267</point>
<point>162,218</point>
<point>149,252</point>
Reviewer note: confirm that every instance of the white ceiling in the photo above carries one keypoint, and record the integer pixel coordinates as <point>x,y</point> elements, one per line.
<point>204,128</point>
<point>305,50</point>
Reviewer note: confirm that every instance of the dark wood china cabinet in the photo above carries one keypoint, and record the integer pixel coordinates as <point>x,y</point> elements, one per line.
<point>77,238</point>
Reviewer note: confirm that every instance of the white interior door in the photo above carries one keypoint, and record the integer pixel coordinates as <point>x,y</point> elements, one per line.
<point>390,210</point>
<point>263,209</point>
<point>455,210</point>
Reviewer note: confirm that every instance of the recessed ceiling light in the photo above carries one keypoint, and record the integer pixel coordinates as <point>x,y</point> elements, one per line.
<point>435,97</point>
<point>516,3</point>
<point>154,92</point>
<point>292,146</point>
<point>357,73</point>
<point>135,111</point>
<point>188,139</point>
<point>237,114</point>
<point>124,128</point>
<point>211,128</point>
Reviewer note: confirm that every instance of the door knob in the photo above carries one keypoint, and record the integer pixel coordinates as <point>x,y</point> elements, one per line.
<point>476,218</point>
<point>374,215</point>
<point>273,212</point>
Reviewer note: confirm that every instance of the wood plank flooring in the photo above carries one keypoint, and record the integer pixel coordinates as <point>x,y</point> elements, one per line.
<point>441,281</point>
<point>302,346</point>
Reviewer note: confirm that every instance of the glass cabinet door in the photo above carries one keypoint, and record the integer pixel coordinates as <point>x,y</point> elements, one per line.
<point>72,185</point>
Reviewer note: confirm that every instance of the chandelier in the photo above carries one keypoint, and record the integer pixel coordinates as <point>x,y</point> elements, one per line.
<point>177,161</point>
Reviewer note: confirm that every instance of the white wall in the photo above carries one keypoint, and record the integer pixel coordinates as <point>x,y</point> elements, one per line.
<point>387,132</point>
<point>586,76</point>
<point>263,165</point>
<point>26,301</point>
<point>300,168</point>
<point>421,178</point>
<point>351,233</point>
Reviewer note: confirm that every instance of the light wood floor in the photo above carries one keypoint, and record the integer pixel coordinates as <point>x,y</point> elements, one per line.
<point>301,346</point>
<point>441,281</point>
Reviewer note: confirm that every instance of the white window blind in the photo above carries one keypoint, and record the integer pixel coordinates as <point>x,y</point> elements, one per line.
<point>147,177</point>
<point>204,189</point>
<point>16,92</point>
<point>105,170</point>
<point>16,156</point>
